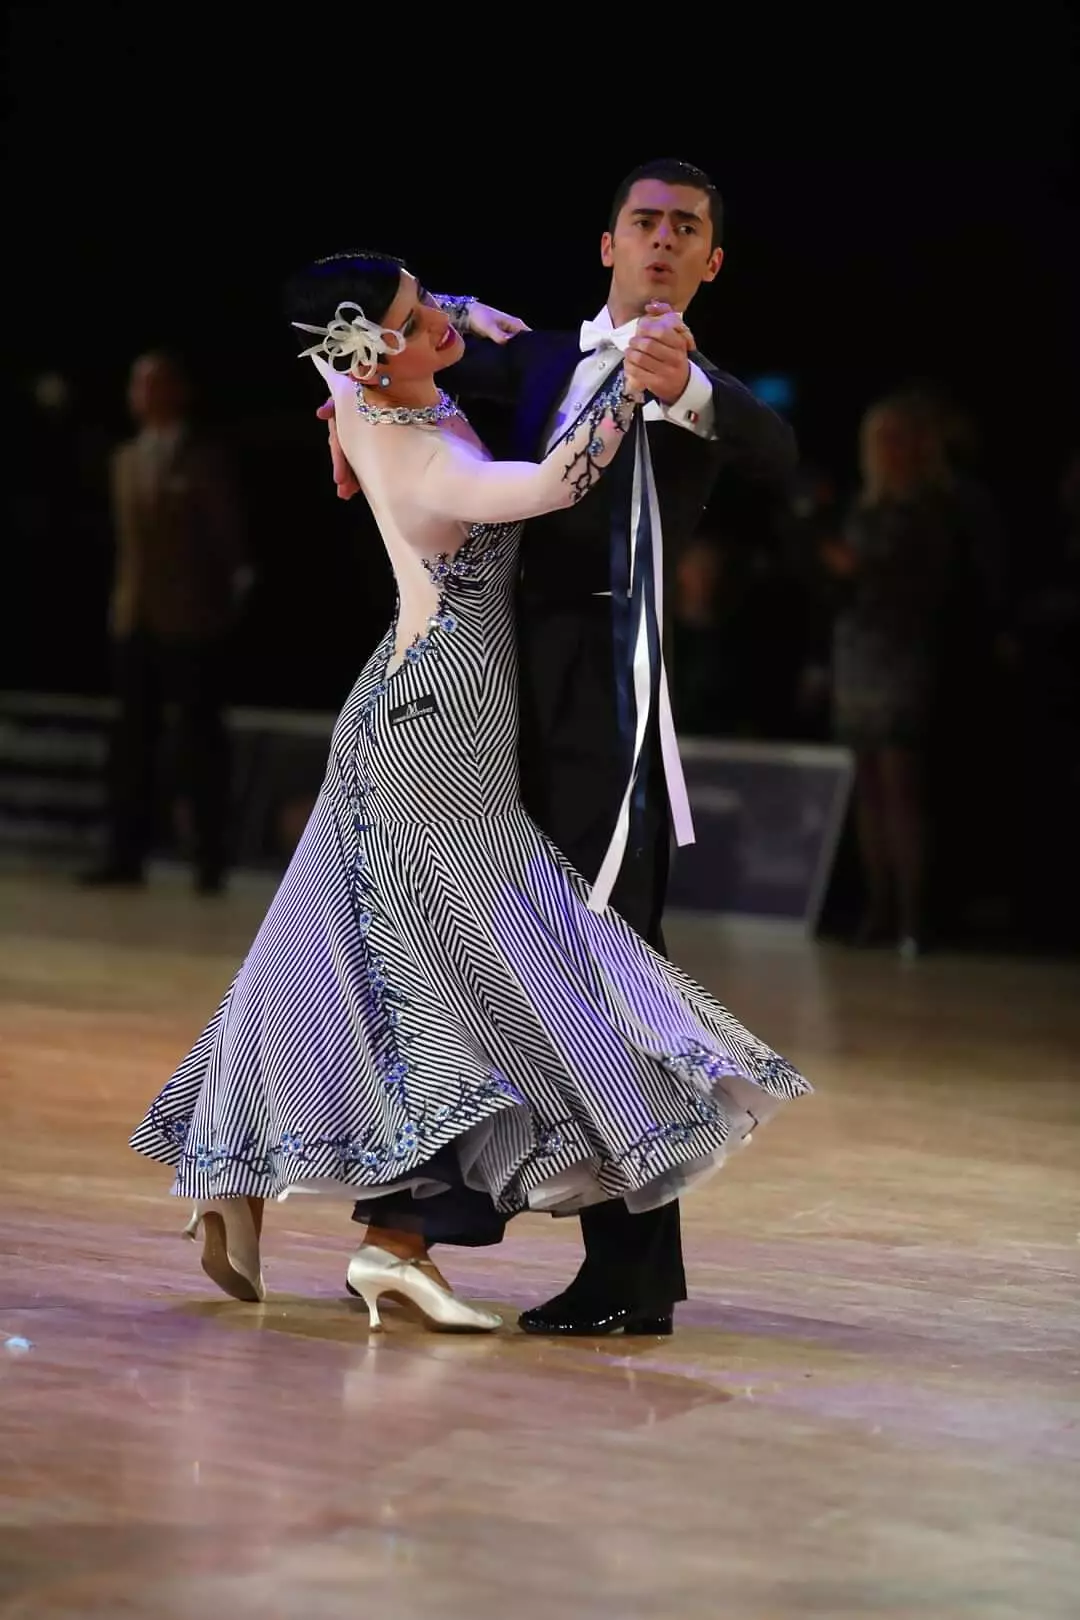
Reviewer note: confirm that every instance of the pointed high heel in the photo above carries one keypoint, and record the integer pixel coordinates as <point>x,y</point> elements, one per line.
<point>373,1272</point>
<point>230,1233</point>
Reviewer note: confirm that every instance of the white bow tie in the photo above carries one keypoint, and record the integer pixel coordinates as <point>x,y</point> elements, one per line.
<point>595,336</point>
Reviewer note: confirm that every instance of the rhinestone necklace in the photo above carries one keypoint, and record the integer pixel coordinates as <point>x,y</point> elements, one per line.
<point>407,415</point>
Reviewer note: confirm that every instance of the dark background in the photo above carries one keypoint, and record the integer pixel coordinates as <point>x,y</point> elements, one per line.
<point>906,210</point>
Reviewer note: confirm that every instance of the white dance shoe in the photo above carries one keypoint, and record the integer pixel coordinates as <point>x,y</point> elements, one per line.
<point>373,1272</point>
<point>230,1254</point>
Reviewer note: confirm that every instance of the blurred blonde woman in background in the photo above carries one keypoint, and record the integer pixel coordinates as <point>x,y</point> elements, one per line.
<point>892,564</point>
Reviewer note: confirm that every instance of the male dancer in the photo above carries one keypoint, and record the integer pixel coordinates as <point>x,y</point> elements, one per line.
<point>661,244</point>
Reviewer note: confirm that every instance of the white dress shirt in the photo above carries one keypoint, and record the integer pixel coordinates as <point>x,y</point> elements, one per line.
<point>693,410</point>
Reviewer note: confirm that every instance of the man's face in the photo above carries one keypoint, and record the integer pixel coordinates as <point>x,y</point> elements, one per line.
<point>661,247</point>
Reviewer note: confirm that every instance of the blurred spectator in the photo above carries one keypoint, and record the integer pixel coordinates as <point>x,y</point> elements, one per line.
<point>181,571</point>
<point>814,518</point>
<point>892,570</point>
<point>970,715</point>
<point>701,697</point>
<point>979,553</point>
<point>1045,647</point>
<point>735,656</point>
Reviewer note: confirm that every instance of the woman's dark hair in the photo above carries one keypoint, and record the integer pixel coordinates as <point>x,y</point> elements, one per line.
<point>314,293</point>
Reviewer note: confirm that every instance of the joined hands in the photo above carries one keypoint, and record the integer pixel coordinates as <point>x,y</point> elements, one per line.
<point>658,356</point>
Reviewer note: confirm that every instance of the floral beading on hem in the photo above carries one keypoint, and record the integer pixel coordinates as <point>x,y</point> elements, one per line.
<point>423,1131</point>
<point>698,1063</point>
<point>708,1116</point>
<point>415,1139</point>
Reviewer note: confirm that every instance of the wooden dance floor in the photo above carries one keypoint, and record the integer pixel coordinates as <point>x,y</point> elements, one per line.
<point>870,1407</point>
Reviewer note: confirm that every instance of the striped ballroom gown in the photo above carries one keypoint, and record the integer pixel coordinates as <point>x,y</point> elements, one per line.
<point>429,973</point>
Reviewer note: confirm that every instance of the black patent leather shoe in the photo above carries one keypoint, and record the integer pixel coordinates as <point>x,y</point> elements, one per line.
<point>558,1320</point>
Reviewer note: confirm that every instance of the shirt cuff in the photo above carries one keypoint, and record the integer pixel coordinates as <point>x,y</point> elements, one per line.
<point>694,409</point>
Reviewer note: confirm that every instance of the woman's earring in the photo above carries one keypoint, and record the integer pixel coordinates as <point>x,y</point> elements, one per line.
<point>384,381</point>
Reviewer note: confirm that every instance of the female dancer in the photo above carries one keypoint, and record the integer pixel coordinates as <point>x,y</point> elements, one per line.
<point>430,996</point>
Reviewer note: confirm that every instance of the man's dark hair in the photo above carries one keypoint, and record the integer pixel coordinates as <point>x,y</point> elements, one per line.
<point>673,172</point>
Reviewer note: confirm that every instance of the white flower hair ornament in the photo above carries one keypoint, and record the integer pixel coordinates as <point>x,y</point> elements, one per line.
<point>354,339</point>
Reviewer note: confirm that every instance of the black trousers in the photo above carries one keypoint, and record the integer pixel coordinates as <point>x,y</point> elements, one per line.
<point>573,775</point>
<point>150,672</point>
<point>633,1260</point>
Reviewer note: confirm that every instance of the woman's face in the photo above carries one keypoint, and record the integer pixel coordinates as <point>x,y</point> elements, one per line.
<point>431,343</point>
